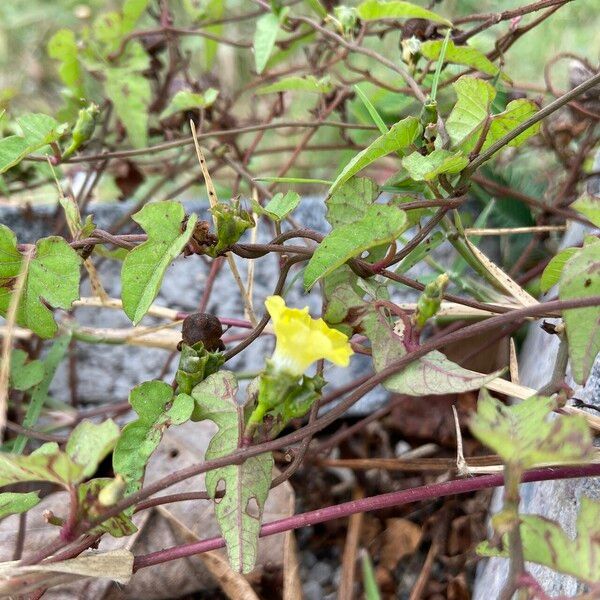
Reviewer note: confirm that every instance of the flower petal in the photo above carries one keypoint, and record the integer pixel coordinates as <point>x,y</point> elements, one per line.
<point>302,340</point>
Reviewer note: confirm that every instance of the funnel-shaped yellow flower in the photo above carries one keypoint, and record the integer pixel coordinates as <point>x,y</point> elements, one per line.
<point>301,340</point>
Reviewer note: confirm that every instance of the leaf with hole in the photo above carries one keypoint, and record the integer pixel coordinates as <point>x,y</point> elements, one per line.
<point>245,486</point>
<point>157,409</point>
<point>52,280</point>
<point>396,9</point>
<point>14,503</point>
<point>144,267</point>
<point>580,278</point>
<point>380,224</point>
<point>524,435</point>
<point>398,138</point>
<point>431,166</point>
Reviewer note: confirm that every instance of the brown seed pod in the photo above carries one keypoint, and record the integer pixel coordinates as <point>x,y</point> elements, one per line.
<point>205,328</point>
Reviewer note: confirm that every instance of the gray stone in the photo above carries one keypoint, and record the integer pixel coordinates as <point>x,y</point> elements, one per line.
<point>106,373</point>
<point>312,590</point>
<point>322,573</point>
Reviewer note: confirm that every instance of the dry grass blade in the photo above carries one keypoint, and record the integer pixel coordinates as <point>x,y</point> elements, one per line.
<point>233,584</point>
<point>292,586</point>
<point>504,282</point>
<point>117,304</point>
<point>11,318</point>
<point>116,565</point>
<point>513,362</point>
<point>212,199</point>
<point>349,558</point>
<point>514,230</point>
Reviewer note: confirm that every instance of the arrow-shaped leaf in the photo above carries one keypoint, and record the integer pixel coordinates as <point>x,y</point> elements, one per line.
<point>245,486</point>
<point>524,435</point>
<point>399,137</point>
<point>52,278</point>
<point>380,224</point>
<point>157,409</point>
<point>581,279</point>
<point>431,374</point>
<point>144,267</point>
<point>14,503</point>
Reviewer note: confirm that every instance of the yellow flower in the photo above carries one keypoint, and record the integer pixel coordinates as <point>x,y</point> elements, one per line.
<point>302,340</point>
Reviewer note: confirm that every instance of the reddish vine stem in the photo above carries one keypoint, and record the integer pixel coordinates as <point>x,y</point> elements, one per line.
<point>241,455</point>
<point>392,499</point>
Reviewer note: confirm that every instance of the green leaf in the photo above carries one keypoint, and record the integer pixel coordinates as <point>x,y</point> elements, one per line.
<point>379,9</point>
<point>309,84</point>
<point>144,267</point>
<point>317,7</point>
<point>554,268</point>
<point>380,224</point>
<point>430,166</point>
<point>130,94</point>
<point>581,279</point>
<point>516,112</point>
<point>184,100</point>
<point>157,409</point>
<point>246,486</point>
<point>37,131</point>
<point>52,278</point>
<point>399,137</point>
<point>265,36</point>
<point>369,579</point>
<point>231,222</point>
<point>433,374</point>
<point>460,55</point>
<point>546,543</point>
<point>589,207</point>
<point>466,121</point>
<point>474,98</point>
<point>48,463</point>
<point>342,297</point>
<point>371,110</point>
<point>40,393</point>
<point>280,206</point>
<point>524,435</point>
<point>90,507</point>
<point>132,11</point>
<point>12,503</point>
<point>89,443</point>
<point>351,200</point>
<point>24,374</point>
<point>63,47</point>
